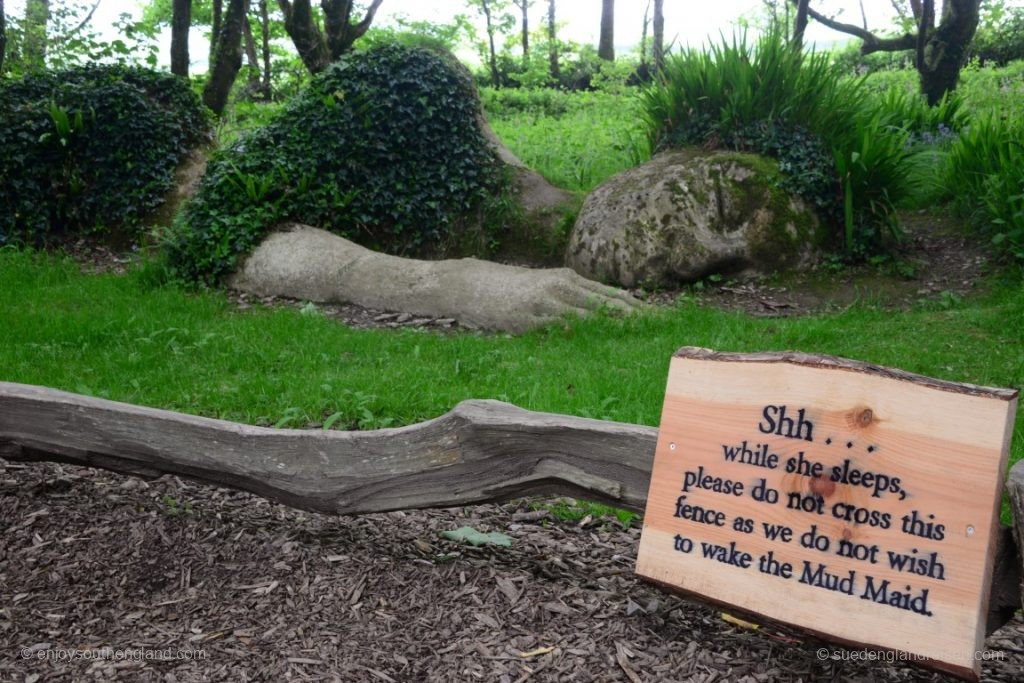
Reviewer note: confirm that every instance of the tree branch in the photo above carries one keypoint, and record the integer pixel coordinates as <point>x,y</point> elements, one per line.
<point>305,34</point>
<point>363,25</point>
<point>482,451</point>
<point>872,43</point>
<point>81,25</point>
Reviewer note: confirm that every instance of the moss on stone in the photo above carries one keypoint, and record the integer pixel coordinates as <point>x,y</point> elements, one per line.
<point>757,222</point>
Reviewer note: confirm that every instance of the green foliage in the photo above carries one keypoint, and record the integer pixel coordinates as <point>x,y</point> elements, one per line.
<point>383,147</point>
<point>988,89</point>
<point>901,109</point>
<point>575,140</point>
<point>1000,36</point>
<point>768,98</point>
<point>849,59</point>
<point>985,178</point>
<point>71,41</point>
<point>444,37</point>
<point>90,147</point>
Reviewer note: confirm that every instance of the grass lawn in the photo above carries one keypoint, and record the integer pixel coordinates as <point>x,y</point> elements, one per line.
<point>119,337</point>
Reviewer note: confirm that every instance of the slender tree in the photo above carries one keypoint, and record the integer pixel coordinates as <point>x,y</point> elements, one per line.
<point>181,20</point>
<point>940,49</point>
<point>643,37</point>
<point>487,9</point>
<point>317,47</point>
<point>34,39</point>
<point>658,49</point>
<point>251,58</point>
<point>265,44</point>
<point>218,11</point>
<point>524,7</point>
<point>800,23</point>
<point>553,66</point>
<point>3,36</point>
<point>227,57</point>
<point>606,46</point>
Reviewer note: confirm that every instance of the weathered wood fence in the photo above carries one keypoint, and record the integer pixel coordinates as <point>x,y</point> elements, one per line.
<point>479,452</point>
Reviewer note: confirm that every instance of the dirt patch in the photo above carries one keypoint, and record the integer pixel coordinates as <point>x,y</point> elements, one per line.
<point>351,314</point>
<point>91,560</point>
<point>937,262</point>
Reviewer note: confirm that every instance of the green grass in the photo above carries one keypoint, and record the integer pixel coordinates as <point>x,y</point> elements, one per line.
<point>578,140</point>
<point>585,140</point>
<point>122,338</point>
<point>984,89</point>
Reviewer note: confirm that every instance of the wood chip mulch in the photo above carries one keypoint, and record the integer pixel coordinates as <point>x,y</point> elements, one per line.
<point>206,584</point>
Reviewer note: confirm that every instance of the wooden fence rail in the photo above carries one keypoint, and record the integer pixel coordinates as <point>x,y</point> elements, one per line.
<point>479,452</point>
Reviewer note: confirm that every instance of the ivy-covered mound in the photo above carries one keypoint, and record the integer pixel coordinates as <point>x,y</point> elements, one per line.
<point>847,152</point>
<point>90,147</point>
<point>384,148</point>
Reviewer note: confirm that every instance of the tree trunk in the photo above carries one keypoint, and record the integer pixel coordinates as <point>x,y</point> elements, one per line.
<point>940,51</point>
<point>525,6</point>
<point>34,39</point>
<point>553,43</point>
<point>265,40</point>
<point>305,34</point>
<point>606,47</point>
<point>944,50</point>
<point>800,23</point>
<point>1015,490</point>
<point>495,77</point>
<point>3,37</point>
<point>181,20</point>
<point>227,57</point>
<point>643,37</point>
<point>215,30</point>
<point>251,57</point>
<point>658,49</point>
<point>341,32</point>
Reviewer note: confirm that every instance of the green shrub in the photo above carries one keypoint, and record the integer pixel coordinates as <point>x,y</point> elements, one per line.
<point>985,179</point>
<point>1000,37</point>
<point>502,102</point>
<point>384,147</point>
<point>90,147</point>
<point>574,139</point>
<point>768,98</point>
<point>930,125</point>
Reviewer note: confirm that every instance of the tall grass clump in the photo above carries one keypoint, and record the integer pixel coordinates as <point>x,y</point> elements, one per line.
<point>929,125</point>
<point>985,179</point>
<point>834,144</point>
<point>576,140</point>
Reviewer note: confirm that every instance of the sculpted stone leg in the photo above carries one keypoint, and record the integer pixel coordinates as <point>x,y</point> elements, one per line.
<point>303,262</point>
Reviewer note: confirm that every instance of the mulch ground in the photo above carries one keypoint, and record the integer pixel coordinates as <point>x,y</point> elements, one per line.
<point>92,560</point>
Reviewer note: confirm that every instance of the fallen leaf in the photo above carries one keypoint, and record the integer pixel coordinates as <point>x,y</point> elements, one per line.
<point>508,589</point>
<point>468,534</point>
<point>736,621</point>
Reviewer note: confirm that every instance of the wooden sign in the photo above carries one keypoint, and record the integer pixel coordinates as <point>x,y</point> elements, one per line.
<point>856,502</point>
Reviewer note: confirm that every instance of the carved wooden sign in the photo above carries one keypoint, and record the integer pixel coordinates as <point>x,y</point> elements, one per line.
<point>855,502</point>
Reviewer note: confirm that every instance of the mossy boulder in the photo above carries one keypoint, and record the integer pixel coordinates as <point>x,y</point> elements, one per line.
<point>687,214</point>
